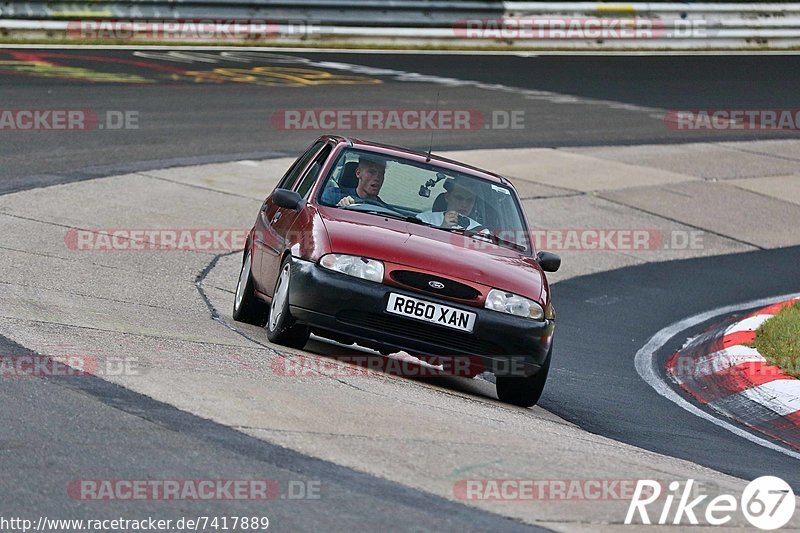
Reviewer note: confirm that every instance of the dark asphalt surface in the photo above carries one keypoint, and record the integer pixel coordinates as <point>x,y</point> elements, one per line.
<point>184,117</point>
<point>667,82</point>
<point>60,430</point>
<point>604,319</point>
<point>55,431</point>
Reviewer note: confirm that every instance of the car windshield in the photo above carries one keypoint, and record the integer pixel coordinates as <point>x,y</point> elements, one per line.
<point>427,194</point>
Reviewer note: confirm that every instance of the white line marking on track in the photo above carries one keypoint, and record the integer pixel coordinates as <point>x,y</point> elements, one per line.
<point>748,324</point>
<point>530,94</point>
<point>646,367</point>
<point>403,76</point>
<point>721,360</point>
<point>781,395</point>
<point>397,75</point>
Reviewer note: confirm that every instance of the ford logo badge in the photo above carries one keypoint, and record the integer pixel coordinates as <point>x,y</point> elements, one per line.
<point>436,284</point>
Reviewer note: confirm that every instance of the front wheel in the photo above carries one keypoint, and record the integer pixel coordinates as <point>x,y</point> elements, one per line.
<point>281,327</point>
<point>246,307</point>
<point>524,391</point>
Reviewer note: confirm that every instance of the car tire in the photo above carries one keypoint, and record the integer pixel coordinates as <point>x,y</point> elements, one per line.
<point>246,307</point>
<point>281,327</point>
<point>523,391</point>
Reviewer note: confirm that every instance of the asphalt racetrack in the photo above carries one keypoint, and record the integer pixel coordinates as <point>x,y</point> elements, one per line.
<point>206,106</point>
<point>180,101</point>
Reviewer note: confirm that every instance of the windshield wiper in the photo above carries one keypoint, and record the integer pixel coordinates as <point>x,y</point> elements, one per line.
<point>487,235</point>
<point>396,216</point>
<point>416,220</point>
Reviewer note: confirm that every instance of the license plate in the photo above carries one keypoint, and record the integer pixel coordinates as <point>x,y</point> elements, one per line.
<point>434,313</point>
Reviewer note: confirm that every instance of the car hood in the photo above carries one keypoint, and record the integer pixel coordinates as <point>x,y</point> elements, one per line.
<point>434,250</point>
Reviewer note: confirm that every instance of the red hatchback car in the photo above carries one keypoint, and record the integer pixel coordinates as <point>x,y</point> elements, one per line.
<point>400,250</point>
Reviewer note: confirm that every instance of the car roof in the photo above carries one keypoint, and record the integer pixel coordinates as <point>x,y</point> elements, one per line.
<point>422,157</point>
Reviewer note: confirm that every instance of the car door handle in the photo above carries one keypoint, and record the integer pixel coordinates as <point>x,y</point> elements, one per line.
<point>276,217</point>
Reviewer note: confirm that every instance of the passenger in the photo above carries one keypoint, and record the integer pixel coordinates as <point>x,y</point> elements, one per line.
<point>370,173</point>
<point>460,200</point>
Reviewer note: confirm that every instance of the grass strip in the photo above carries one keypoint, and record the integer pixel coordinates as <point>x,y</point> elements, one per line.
<point>778,340</point>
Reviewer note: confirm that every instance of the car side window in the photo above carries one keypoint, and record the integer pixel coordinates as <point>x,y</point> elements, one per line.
<point>313,171</point>
<point>291,175</point>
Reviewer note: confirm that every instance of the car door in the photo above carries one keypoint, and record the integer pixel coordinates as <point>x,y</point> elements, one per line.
<point>265,240</point>
<point>282,219</point>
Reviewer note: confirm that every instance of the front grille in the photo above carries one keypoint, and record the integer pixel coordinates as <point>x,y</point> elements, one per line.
<point>444,340</point>
<point>421,281</point>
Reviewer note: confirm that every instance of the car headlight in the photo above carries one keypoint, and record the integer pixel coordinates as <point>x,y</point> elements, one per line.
<point>507,302</point>
<point>353,265</point>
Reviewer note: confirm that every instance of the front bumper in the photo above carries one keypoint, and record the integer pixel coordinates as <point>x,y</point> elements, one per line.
<point>348,306</point>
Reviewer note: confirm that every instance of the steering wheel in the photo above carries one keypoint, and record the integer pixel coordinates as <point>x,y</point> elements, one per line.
<point>464,222</point>
<point>358,201</point>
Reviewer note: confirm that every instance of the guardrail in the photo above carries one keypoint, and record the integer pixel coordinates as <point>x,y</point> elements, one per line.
<point>402,13</point>
<point>478,23</point>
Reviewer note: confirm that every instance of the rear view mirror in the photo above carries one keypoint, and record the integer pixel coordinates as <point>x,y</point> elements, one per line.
<point>286,198</point>
<point>548,261</point>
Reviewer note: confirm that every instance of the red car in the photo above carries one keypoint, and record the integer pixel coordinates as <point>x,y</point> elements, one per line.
<point>400,250</point>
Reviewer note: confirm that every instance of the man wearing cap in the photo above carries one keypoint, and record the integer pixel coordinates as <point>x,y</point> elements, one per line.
<point>460,199</point>
<point>370,173</point>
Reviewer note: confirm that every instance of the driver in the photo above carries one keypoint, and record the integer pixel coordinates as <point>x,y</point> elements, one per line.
<point>370,173</point>
<point>460,199</point>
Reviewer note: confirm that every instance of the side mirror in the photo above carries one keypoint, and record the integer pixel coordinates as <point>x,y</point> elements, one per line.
<point>286,198</point>
<point>548,261</point>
